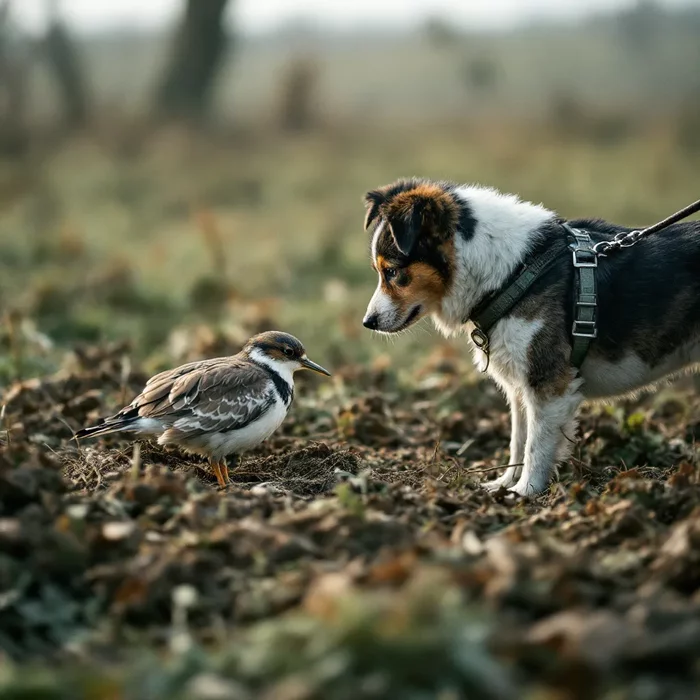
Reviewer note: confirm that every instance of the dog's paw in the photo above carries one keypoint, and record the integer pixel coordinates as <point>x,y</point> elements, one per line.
<point>502,482</point>
<point>527,488</point>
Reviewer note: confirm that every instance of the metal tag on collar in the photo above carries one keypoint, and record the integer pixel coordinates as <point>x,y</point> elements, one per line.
<point>481,340</point>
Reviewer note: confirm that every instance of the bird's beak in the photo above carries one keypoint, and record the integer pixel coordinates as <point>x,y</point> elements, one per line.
<point>306,362</point>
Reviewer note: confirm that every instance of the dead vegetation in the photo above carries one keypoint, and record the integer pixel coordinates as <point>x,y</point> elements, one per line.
<point>365,563</point>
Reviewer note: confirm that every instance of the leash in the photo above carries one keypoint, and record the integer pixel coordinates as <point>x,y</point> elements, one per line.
<point>627,240</point>
<point>585,261</point>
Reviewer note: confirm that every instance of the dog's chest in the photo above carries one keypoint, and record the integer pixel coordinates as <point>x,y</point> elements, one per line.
<point>509,347</point>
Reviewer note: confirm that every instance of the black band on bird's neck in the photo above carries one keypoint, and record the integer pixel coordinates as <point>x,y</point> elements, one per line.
<point>285,390</point>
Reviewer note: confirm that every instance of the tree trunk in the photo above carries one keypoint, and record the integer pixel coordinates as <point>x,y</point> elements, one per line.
<point>63,59</point>
<point>13,73</point>
<point>187,85</point>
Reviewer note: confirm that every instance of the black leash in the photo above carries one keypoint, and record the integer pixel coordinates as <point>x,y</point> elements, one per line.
<point>627,240</point>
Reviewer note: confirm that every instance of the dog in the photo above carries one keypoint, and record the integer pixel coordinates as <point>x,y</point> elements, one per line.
<point>440,248</point>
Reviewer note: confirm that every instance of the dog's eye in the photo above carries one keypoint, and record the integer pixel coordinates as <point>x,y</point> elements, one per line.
<point>390,273</point>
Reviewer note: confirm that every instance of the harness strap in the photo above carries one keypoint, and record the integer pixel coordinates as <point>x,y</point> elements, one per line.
<point>585,258</point>
<point>492,309</point>
<point>584,328</point>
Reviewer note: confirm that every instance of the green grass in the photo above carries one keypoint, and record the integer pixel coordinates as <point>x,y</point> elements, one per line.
<point>99,245</point>
<point>191,245</point>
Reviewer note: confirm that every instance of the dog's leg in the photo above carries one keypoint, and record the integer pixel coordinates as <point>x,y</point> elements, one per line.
<point>547,415</point>
<point>518,433</point>
<point>567,441</point>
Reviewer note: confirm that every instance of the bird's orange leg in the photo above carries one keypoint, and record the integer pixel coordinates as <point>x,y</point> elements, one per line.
<point>217,469</point>
<point>224,471</point>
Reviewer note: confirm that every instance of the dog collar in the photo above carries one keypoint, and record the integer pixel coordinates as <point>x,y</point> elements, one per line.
<point>497,304</point>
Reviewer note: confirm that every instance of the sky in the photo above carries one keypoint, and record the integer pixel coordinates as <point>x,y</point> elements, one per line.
<point>265,15</point>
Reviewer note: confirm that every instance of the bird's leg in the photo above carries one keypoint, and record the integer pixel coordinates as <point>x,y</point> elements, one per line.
<point>216,468</point>
<point>235,461</point>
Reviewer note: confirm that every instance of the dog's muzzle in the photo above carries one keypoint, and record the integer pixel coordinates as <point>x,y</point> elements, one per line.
<point>371,321</point>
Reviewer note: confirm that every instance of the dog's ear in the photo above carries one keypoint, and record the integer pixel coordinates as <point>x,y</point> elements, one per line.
<point>373,200</point>
<point>405,226</point>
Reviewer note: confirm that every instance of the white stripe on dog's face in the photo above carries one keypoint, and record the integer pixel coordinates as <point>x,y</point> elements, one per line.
<point>382,307</point>
<point>381,304</point>
<point>375,238</point>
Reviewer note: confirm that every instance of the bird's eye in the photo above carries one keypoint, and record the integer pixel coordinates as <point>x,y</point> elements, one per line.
<point>288,352</point>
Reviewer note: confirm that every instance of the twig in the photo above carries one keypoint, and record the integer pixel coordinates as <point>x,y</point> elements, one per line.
<point>465,446</point>
<point>3,418</point>
<point>98,475</point>
<point>65,422</point>
<point>124,378</point>
<point>436,450</point>
<point>571,440</point>
<point>136,461</point>
<point>491,469</point>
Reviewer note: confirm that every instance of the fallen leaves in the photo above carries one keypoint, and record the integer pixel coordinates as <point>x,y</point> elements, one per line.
<point>368,559</point>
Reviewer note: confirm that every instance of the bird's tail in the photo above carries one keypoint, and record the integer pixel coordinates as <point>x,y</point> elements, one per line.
<point>111,425</point>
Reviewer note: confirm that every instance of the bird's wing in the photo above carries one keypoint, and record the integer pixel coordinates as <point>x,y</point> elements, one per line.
<point>172,374</point>
<point>210,396</point>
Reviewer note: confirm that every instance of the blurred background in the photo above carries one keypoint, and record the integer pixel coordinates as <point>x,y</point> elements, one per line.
<point>182,173</point>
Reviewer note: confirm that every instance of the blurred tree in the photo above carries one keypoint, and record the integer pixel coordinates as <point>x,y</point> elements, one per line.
<point>13,64</point>
<point>481,74</point>
<point>641,23</point>
<point>186,87</point>
<point>298,98</point>
<point>440,33</point>
<point>64,60</point>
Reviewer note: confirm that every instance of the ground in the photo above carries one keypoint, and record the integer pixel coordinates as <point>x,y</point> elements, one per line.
<point>355,555</point>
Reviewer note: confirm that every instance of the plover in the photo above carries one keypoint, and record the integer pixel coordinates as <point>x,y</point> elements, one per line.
<point>218,407</point>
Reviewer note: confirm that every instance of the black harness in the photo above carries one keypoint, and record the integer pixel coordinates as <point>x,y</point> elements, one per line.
<point>585,260</point>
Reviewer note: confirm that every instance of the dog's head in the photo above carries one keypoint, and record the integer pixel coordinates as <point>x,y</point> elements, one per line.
<point>413,225</point>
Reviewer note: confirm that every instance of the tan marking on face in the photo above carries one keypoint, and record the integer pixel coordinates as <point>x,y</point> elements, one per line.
<point>418,283</point>
<point>437,210</point>
<point>381,263</point>
<point>403,202</point>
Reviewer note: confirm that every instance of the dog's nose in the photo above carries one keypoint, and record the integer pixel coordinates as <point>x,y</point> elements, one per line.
<point>371,322</point>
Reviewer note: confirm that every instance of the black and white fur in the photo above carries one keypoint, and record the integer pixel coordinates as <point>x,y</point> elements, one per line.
<point>648,315</point>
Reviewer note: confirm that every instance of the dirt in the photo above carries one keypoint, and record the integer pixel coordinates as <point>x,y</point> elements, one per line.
<point>354,554</point>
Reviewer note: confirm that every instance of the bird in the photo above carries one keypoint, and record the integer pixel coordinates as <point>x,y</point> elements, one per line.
<point>218,407</point>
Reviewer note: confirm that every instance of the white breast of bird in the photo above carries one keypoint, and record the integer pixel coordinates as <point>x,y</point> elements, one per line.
<point>236,441</point>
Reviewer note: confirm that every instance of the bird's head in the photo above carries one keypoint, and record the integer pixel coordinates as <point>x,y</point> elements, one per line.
<point>281,351</point>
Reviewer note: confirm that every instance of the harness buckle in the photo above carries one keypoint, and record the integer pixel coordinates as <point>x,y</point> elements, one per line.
<point>592,260</point>
<point>578,332</point>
